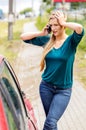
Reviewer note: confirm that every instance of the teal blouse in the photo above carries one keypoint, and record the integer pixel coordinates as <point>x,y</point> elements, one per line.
<point>59,62</point>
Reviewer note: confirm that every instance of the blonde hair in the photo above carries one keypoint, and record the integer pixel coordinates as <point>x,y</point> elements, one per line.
<point>49,45</point>
<point>47,48</point>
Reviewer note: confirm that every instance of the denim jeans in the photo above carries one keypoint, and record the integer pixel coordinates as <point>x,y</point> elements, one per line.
<point>54,101</point>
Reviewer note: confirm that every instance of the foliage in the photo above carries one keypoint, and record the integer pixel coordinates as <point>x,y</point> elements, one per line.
<point>47,1</point>
<point>42,20</point>
<point>17,28</point>
<point>26,10</point>
<point>10,49</point>
<point>75,5</point>
<point>48,10</point>
<point>82,45</point>
<point>3,31</point>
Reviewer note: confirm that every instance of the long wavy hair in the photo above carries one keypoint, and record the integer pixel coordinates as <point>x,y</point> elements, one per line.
<point>48,46</point>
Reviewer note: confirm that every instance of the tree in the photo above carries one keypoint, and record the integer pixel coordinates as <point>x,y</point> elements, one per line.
<point>48,2</point>
<point>26,10</point>
<point>48,5</point>
<point>75,5</point>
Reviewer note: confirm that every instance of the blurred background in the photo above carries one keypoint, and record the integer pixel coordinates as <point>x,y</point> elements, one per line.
<point>31,8</point>
<point>15,13</point>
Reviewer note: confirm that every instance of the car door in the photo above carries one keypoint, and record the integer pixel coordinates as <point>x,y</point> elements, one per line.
<point>7,121</point>
<point>11,92</point>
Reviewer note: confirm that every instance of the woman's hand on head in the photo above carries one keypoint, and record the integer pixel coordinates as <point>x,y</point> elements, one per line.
<point>61,18</point>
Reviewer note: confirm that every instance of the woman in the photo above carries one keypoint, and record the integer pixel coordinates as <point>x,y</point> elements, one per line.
<point>57,62</point>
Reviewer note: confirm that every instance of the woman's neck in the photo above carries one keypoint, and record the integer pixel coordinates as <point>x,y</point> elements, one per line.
<point>60,41</point>
<point>61,37</point>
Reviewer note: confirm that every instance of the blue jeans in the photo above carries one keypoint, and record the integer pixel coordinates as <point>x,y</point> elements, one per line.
<point>54,101</point>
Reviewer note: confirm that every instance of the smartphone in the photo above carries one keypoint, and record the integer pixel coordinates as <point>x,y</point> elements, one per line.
<point>49,28</point>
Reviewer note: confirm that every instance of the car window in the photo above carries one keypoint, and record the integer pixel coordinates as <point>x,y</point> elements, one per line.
<point>9,115</point>
<point>13,94</point>
<point>10,84</point>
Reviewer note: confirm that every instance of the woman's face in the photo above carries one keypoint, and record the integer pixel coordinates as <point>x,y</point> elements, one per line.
<point>55,27</point>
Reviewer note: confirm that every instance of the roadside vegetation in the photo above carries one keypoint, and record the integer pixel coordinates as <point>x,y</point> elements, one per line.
<point>10,48</point>
<point>80,61</point>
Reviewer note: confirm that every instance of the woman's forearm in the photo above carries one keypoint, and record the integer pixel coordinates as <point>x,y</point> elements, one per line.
<point>28,36</point>
<point>74,26</point>
<point>62,21</point>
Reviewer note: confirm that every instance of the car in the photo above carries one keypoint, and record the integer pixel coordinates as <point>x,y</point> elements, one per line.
<point>28,14</point>
<point>16,111</point>
<point>1,14</point>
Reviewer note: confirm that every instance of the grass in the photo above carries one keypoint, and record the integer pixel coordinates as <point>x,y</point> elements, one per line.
<point>10,48</point>
<point>80,62</point>
<point>80,66</point>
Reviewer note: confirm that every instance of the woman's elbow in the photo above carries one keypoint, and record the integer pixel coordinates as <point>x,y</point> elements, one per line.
<point>79,29</point>
<point>22,37</point>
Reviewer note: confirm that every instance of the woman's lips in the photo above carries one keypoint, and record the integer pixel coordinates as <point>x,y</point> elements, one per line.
<point>54,32</point>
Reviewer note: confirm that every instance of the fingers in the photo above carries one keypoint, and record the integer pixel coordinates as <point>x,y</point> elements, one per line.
<point>45,30</point>
<point>59,14</point>
<point>60,17</point>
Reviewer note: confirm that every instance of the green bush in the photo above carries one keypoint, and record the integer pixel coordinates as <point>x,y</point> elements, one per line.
<point>82,44</point>
<point>41,21</point>
<point>10,48</point>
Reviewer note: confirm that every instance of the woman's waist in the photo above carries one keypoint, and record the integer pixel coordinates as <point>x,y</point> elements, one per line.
<point>57,86</point>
